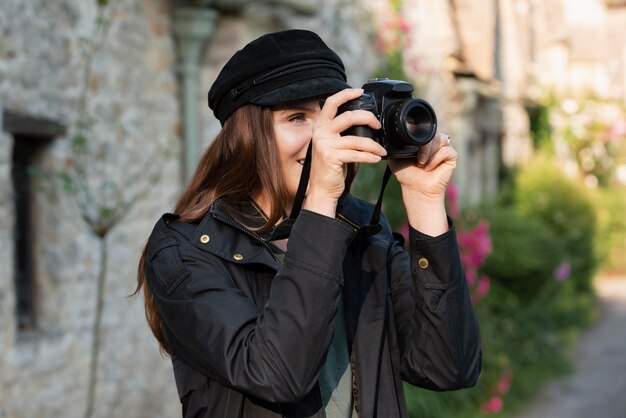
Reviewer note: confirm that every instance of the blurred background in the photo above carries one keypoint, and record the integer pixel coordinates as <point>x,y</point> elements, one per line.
<point>103,115</point>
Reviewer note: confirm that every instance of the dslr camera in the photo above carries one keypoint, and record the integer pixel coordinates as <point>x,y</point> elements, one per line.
<point>407,122</point>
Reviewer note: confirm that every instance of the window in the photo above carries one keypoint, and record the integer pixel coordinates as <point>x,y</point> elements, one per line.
<point>30,136</point>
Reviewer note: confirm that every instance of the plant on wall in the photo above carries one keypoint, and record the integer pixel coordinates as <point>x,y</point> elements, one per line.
<point>101,198</point>
<point>100,216</point>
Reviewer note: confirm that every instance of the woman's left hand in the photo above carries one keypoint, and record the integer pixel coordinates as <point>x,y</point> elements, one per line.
<point>428,174</point>
<point>424,180</point>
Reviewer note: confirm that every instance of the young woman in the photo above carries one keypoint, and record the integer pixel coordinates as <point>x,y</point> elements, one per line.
<point>326,322</point>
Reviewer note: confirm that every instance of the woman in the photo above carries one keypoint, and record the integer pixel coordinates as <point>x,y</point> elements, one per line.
<point>326,322</point>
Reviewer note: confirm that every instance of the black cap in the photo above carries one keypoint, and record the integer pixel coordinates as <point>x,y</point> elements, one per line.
<point>277,68</point>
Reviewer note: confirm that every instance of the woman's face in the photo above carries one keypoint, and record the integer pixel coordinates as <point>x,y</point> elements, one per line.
<point>293,128</point>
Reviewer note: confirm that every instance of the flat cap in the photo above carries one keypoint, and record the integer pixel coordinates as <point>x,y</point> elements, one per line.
<point>277,68</point>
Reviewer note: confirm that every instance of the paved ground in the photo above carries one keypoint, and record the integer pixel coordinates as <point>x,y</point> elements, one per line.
<point>597,388</point>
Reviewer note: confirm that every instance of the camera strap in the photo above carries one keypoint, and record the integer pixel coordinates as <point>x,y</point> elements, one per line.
<point>282,230</point>
<point>374,226</point>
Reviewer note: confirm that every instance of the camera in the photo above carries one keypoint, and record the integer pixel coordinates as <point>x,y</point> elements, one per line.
<point>407,122</point>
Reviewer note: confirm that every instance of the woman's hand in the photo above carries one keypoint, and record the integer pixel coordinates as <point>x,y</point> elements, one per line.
<point>423,180</point>
<point>331,151</point>
<point>430,172</point>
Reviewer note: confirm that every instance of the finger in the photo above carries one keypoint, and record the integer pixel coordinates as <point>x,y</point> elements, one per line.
<point>356,118</point>
<point>359,143</point>
<point>423,154</point>
<point>444,154</point>
<point>334,151</point>
<point>356,156</point>
<point>329,110</point>
<point>425,151</point>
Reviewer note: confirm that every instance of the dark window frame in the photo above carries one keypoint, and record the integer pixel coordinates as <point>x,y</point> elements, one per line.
<point>30,135</point>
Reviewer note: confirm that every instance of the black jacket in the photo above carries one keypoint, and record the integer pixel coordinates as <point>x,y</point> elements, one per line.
<point>249,334</point>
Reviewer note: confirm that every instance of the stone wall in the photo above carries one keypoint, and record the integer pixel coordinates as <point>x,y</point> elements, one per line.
<point>454,58</point>
<point>132,96</point>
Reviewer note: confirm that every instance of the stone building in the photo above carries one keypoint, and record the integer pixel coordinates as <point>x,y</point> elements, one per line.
<point>83,177</point>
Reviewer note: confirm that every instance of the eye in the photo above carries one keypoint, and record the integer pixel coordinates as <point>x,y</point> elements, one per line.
<point>297,118</point>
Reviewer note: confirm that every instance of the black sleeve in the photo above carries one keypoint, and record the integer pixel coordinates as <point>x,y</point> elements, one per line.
<point>437,330</point>
<point>274,353</point>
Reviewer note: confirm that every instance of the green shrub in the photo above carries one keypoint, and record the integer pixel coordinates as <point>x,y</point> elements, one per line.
<point>525,252</point>
<point>524,345</point>
<point>611,207</point>
<point>543,192</point>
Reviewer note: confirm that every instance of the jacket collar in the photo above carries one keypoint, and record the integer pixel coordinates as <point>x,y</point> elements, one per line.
<point>223,235</point>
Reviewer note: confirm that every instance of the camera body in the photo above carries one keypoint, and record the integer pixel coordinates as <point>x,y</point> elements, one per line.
<point>407,122</point>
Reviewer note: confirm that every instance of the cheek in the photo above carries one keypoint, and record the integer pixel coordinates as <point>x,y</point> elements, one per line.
<point>292,144</point>
<point>285,143</point>
<point>291,171</point>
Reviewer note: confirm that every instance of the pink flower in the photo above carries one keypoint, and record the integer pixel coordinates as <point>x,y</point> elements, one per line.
<point>389,38</point>
<point>403,25</point>
<point>470,276</point>
<point>617,131</point>
<point>482,288</point>
<point>479,288</point>
<point>475,245</point>
<point>493,405</point>
<point>483,240</point>
<point>505,382</point>
<point>416,68</point>
<point>391,32</point>
<point>563,271</point>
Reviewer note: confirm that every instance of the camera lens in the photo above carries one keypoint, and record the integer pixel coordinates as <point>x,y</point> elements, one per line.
<point>418,122</point>
<point>413,121</point>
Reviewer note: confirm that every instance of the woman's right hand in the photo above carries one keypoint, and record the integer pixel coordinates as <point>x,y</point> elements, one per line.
<point>331,151</point>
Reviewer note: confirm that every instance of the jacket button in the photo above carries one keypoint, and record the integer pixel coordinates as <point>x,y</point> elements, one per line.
<point>204,239</point>
<point>238,257</point>
<point>423,263</point>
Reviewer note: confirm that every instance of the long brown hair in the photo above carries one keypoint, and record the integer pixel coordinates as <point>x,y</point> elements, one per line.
<point>240,163</point>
